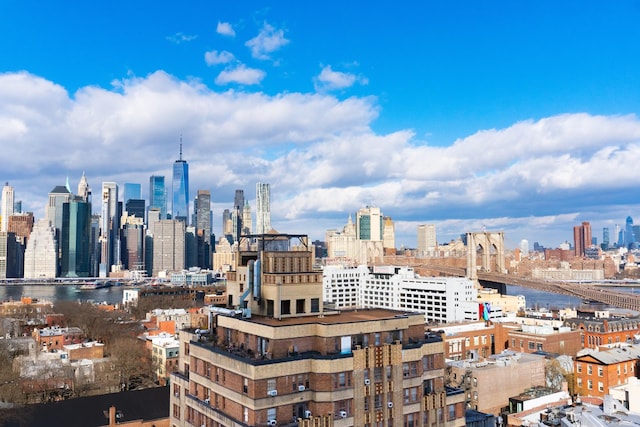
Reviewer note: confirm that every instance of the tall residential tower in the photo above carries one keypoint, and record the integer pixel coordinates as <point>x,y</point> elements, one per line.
<point>263,208</point>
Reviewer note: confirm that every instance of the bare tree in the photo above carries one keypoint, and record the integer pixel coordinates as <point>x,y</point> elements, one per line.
<point>132,361</point>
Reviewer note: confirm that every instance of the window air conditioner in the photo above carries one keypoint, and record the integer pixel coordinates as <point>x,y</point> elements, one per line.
<point>343,414</point>
<point>301,388</point>
<point>307,414</point>
<point>389,404</point>
<point>273,393</point>
<point>272,423</point>
<point>207,400</point>
<point>367,381</point>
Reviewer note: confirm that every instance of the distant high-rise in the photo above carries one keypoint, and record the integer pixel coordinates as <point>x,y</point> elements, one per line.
<point>180,206</point>
<point>75,239</point>
<point>7,205</point>
<point>263,208</point>
<point>388,233</point>
<point>202,207</point>
<point>84,192</point>
<point>41,255</point>
<point>131,191</point>
<point>57,198</point>
<point>135,207</point>
<point>629,238</point>
<point>168,245</point>
<point>582,238</point>
<point>109,228</point>
<point>369,224</point>
<point>605,237</point>
<point>158,195</point>
<point>427,241</point>
<point>246,218</point>
<point>524,248</point>
<point>236,215</point>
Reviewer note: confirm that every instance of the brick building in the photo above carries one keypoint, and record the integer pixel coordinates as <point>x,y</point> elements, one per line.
<point>547,338</point>
<point>55,338</point>
<point>280,359</point>
<point>595,372</point>
<point>596,332</point>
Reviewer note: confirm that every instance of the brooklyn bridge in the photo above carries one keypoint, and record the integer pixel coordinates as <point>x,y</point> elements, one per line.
<point>486,263</point>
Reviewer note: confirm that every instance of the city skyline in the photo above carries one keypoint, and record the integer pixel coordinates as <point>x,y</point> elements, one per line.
<point>469,118</point>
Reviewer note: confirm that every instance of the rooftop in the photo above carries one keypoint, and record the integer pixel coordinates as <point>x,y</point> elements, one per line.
<point>337,317</point>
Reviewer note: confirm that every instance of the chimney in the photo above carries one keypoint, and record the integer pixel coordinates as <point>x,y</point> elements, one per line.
<point>112,416</point>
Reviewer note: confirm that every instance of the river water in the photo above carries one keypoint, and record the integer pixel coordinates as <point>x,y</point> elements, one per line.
<point>53,293</point>
<point>113,295</point>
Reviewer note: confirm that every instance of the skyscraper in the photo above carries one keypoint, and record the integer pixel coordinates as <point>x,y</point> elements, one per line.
<point>427,241</point>
<point>202,209</point>
<point>629,237</point>
<point>263,208</point>
<point>247,223</point>
<point>158,195</point>
<point>582,238</point>
<point>180,206</point>
<point>109,228</point>
<point>369,224</point>
<point>75,241</point>
<point>131,191</point>
<point>7,205</point>
<point>168,245</point>
<point>236,215</point>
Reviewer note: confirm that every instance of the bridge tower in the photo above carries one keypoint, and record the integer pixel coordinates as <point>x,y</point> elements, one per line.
<point>489,247</point>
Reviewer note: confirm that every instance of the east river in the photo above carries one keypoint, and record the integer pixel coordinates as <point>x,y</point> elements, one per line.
<point>113,295</point>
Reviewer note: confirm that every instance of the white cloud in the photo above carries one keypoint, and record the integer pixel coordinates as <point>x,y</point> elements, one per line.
<point>320,155</point>
<point>214,57</point>
<point>332,80</point>
<point>225,29</point>
<point>179,37</point>
<point>266,42</point>
<point>241,75</point>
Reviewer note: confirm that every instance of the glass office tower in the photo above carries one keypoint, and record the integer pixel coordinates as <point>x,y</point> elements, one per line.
<point>180,206</point>
<point>158,195</point>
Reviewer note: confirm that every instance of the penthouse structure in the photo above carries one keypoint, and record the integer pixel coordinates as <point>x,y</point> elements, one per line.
<point>279,357</point>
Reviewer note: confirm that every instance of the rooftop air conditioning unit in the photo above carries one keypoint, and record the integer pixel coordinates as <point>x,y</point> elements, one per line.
<point>343,414</point>
<point>273,393</point>
<point>272,423</point>
<point>301,388</point>
<point>307,414</point>
<point>389,404</point>
<point>367,381</point>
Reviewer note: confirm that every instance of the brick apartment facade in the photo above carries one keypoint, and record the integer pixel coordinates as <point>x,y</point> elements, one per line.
<point>595,372</point>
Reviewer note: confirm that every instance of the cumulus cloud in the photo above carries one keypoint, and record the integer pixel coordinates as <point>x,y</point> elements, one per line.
<point>320,155</point>
<point>179,37</point>
<point>328,79</point>
<point>214,57</point>
<point>225,29</point>
<point>241,75</point>
<point>266,42</point>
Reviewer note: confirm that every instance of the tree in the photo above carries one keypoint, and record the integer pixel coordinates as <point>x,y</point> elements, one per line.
<point>132,361</point>
<point>556,375</point>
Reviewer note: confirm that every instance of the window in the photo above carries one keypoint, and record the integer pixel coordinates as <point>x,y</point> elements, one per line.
<point>578,368</point>
<point>532,345</point>
<point>285,307</point>
<point>590,385</point>
<point>600,386</point>
<point>589,370</point>
<point>315,305</point>
<point>271,384</point>
<point>600,371</point>
<point>300,306</point>
<point>452,412</point>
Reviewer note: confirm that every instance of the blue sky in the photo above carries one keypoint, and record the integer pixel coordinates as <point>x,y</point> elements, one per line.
<point>510,116</point>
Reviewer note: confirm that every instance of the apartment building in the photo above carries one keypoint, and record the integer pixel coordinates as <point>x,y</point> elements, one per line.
<point>597,371</point>
<point>278,357</point>
<point>440,299</point>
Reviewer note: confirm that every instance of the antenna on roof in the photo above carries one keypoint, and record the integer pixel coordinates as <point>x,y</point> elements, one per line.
<point>180,146</point>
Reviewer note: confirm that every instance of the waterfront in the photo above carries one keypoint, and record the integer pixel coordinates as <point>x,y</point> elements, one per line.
<point>113,295</point>
<point>53,293</point>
